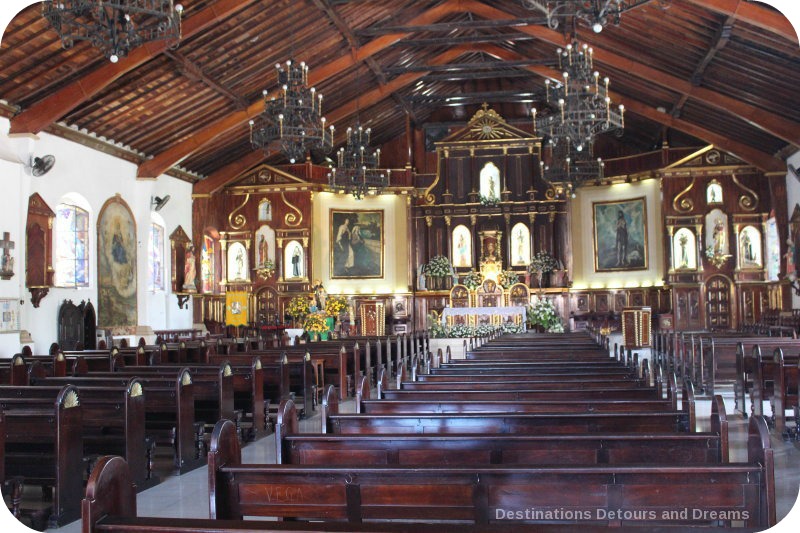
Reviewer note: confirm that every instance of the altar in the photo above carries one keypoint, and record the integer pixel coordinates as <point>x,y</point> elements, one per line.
<point>477,316</point>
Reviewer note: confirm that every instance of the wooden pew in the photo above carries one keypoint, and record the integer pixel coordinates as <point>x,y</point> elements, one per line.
<point>113,424</point>
<point>327,449</point>
<point>43,446</point>
<point>520,423</point>
<point>169,412</point>
<point>758,370</point>
<point>478,493</point>
<point>14,371</point>
<point>786,381</point>
<point>110,507</point>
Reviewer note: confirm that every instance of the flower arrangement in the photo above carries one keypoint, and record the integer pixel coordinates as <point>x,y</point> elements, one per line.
<point>315,323</point>
<point>473,280</point>
<point>438,266</point>
<point>543,314</point>
<point>716,258</point>
<point>488,200</point>
<point>266,270</point>
<point>543,262</point>
<point>298,307</point>
<point>510,327</point>
<point>508,278</point>
<point>335,305</point>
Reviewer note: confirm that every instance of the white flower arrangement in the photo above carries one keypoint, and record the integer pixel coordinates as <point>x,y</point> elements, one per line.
<point>544,314</point>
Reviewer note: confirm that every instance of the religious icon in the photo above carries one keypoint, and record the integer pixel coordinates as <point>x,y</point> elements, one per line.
<point>189,270</point>
<point>265,211</point>
<point>750,248</point>
<point>462,254</point>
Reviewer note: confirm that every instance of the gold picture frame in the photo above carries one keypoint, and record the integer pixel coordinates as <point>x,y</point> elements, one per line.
<point>356,244</point>
<point>620,235</point>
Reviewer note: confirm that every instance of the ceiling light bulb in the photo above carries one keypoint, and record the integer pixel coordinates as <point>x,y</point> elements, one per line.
<point>597,27</point>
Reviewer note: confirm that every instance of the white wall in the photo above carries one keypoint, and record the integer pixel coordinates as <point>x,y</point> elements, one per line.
<point>792,198</point>
<point>95,176</point>
<point>583,234</point>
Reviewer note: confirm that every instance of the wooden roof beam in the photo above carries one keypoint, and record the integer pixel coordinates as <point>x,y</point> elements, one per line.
<point>193,71</point>
<point>771,123</point>
<point>216,181</point>
<point>751,13</point>
<point>179,151</point>
<point>60,103</point>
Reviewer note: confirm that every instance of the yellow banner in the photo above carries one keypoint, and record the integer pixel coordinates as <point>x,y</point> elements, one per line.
<point>236,308</point>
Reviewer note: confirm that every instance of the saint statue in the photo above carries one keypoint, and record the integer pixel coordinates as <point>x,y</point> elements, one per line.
<point>263,249</point>
<point>719,237</point>
<point>622,239</point>
<point>189,270</point>
<point>296,262</point>
<point>461,248</point>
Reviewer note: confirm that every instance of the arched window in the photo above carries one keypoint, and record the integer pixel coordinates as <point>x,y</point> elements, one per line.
<point>155,254</point>
<point>520,245</point>
<point>71,245</point>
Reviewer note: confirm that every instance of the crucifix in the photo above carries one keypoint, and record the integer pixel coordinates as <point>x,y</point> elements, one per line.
<point>7,264</point>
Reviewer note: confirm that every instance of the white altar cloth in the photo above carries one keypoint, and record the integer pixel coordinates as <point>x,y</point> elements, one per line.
<point>475,316</point>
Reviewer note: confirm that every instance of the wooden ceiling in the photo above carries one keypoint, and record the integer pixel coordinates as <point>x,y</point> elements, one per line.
<point>700,71</point>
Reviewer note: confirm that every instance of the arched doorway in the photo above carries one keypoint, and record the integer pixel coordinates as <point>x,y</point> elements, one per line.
<point>719,302</point>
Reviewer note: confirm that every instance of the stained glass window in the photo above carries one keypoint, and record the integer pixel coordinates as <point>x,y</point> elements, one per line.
<point>72,246</point>
<point>155,262</point>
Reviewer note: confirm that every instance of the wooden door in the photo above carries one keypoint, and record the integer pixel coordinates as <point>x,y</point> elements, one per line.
<point>267,306</point>
<point>718,300</point>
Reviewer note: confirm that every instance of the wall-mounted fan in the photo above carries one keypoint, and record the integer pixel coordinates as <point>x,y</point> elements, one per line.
<point>158,203</point>
<point>42,165</point>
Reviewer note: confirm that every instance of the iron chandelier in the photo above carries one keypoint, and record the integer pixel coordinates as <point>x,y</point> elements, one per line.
<point>114,26</point>
<point>357,169</point>
<point>595,13</point>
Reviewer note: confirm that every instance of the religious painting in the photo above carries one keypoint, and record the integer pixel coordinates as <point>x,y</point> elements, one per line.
<point>264,246</point>
<point>684,250</point>
<point>716,227</point>
<point>265,211</point>
<point>620,301</point>
<point>490,183</point>
<point>293,261</point>
<point>400,307</point>
<point>520,245</point>
<point>773,262</point>
<point>620,235</point>
<point>356,242</point>
<point>750,248</point>
<point>238,264</point>
<point>601,303</point>
<point>116,265</point>
<point>462,247</point>
<point>714,193</point>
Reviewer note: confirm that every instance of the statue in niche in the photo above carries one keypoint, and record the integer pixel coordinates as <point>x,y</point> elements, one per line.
<point>189,270</point>
<point>684,240</point>
<point>263,250</point>
<point>719,237</point>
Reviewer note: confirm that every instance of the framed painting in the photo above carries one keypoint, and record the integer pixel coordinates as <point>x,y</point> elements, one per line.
<point>620,235</point>
<point>356,244</point>
<point>116,265</point>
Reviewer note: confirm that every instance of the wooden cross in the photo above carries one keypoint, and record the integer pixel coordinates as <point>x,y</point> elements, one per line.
<point>7,262</point>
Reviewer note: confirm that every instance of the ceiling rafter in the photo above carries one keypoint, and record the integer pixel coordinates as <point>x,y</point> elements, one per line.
<point>192,70</point>
<point>776,126</point>
<point>214,182</point>
<point>751,13</point>
<point>179,151</point>
<point>61,102</point>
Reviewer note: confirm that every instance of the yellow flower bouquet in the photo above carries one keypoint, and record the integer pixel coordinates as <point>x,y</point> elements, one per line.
<point>335,305</point>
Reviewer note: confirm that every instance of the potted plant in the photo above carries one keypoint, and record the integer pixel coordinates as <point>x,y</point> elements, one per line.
<point>508,278</point>
<point>472,280</point>
<point>542,263</point>
<point>543,316</point>
<point>438,273</point>
<point>316,325</point>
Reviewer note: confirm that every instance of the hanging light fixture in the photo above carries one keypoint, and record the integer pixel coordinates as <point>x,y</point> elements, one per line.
<point>567,172</point>
<point>357,169</point>
<point>595,13</point>
<point>580,110</point>
<point>114,26</point>
<point>293,118</point>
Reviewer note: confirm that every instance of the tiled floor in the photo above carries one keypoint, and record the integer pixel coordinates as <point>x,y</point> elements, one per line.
<point>187,495</point>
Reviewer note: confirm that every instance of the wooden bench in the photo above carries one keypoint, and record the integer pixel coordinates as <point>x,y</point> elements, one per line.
<point>110,507</point>
<point>755,372</point>
<point>327,449</point>
<point>169,412</point>
<point>514,423</point>
<point>113,424</point>
<point>482,494</point>
<point>43,446</point>
<point>786,383</point>
<point>14,371</point>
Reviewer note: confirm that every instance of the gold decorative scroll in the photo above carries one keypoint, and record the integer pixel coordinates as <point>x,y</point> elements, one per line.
<point>238,221</point>
<point>71,400</point>
<point>292,219</point>
<point>746,202</point>
<point>684,205</point>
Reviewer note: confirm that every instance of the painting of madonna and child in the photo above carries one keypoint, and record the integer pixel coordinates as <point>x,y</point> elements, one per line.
<point>620,235</point>
<point>356,244</point>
